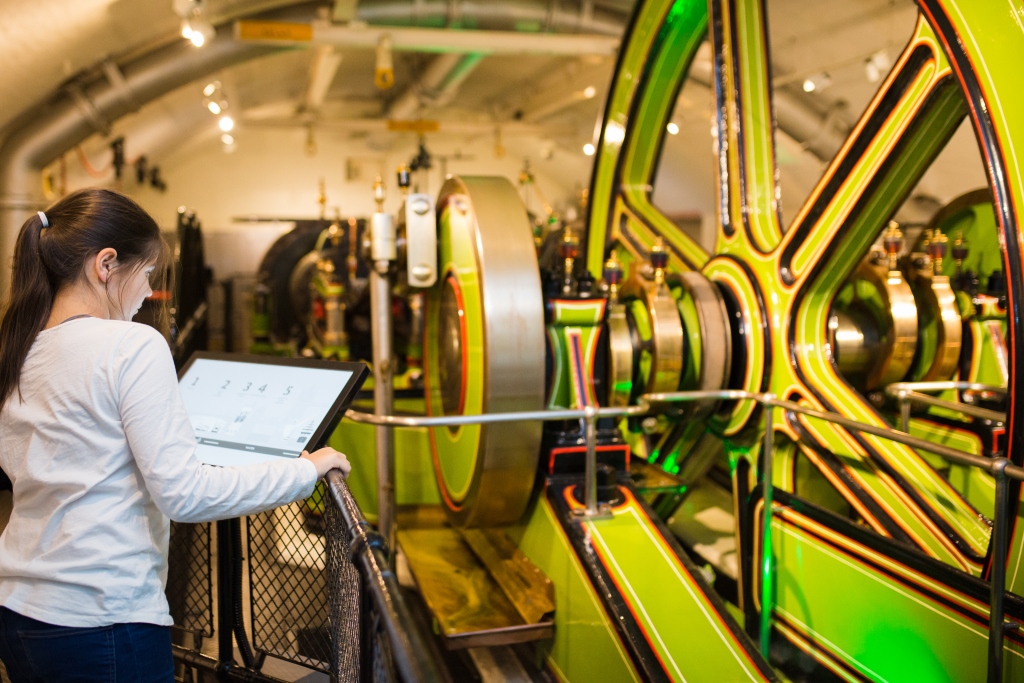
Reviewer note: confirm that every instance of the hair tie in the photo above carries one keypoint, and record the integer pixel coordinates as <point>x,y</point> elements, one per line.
<point>42,217</point>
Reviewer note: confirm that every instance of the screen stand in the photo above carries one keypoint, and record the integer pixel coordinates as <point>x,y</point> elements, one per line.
<point>230,628</point>
<point>225,594</point>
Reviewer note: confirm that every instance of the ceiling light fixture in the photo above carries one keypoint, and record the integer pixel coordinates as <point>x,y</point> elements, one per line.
<point>384,69</point>
<point>227,139</point>
<point>877,65</point>
<point>672,128</point>
<point>213,107</point>
<point>195,27</point>
<point>589,92</point>
<point>226,123</point>
<point>588,149</point>
<point>211,88</point>
<point>816,82</point>
<point>202,31</point>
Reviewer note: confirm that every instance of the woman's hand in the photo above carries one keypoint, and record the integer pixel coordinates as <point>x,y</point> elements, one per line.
<point>327,459</point>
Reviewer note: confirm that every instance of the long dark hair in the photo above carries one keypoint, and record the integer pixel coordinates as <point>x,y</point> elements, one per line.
<point>47,259</point>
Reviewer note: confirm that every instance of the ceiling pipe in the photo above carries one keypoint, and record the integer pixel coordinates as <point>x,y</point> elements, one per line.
<point>406,39</point>
<point>57,126</point>
<point>436,87</point>
<point>554,16</point>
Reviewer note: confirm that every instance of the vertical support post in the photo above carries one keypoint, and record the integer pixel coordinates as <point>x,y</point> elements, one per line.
<point>767,560</point>
<point>590,473</point>
<point>904,399</point>
<point>998,577</point>
<point>383,397</point>
<point>383,251</point>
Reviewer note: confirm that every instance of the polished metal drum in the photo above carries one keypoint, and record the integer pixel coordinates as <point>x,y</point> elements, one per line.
<point>484,351</point>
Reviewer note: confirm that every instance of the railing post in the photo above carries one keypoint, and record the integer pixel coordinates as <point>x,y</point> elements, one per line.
<point>904,399</point>
<point>767,561</point>
<point>590,472</point>
<point>998,576</point>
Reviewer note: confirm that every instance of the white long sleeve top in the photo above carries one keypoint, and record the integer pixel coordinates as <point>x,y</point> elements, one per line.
<point>101,453</point>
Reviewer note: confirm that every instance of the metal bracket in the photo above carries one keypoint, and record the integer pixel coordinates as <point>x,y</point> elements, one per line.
<point>421,240</point>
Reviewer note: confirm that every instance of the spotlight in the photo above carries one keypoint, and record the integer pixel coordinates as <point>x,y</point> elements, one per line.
<point>227,139</point>
<point>588,149</point>
<point>202,31</point>
<point>672,128</point>
<point>816,82</point>
<point>186,29</point>
<point>589,92</point>
<point>213,107</point>
<point>876,66</point>
<point>211,88</point>
<point>226,123</point>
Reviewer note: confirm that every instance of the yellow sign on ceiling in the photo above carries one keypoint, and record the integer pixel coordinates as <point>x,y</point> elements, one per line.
<point>273,30</point>
<point>414,126</point>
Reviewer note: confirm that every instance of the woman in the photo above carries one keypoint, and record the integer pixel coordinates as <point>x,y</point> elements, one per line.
<point>96,441</point>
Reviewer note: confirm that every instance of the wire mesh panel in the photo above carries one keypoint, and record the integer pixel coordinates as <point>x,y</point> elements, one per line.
<point>343,594</point>
<point>190,578</point>
<point>287,587</point>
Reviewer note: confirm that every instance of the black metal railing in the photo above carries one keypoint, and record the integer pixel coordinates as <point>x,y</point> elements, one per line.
<point>385,646</point>
<point>321,594</point>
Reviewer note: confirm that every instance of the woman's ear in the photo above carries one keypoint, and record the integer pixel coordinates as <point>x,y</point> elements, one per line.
<point>104,263</point>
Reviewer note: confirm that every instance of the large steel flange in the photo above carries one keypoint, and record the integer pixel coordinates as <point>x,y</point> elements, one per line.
<point>706,320</point>
<point>621,365</point>
<point>940,324</point>
<point>657,332</point>
<point>874,336</point>
<point>940,327</point>
<point>484,351</point>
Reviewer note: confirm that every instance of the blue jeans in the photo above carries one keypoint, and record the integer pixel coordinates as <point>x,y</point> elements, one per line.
<point>37,652</point>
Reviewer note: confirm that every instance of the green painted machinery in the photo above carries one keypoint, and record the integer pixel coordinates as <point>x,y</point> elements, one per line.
<point>881,552</point>
<point>878,558</point>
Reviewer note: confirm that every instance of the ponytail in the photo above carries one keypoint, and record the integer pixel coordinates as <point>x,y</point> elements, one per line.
<point>30,303</point>
<point>51,253</point>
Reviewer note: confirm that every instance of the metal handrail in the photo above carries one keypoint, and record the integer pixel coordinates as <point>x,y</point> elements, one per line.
<point>408,650</point>
<point>1000,468</point>
<point>910,392</point>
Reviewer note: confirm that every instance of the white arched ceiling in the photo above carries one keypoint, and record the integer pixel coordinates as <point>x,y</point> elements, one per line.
<point>529,100</point>
<point>45,43</point>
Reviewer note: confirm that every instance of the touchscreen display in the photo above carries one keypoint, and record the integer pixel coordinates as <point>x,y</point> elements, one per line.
<point>245,413</point>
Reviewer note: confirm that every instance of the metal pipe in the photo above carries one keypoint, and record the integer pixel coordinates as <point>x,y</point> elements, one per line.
<point>956,456</point>
<point>998,576</point>
<point>546,15</point>
<point>768,495</point>
<point>904,399</point>
<point>408,649</point>
<point>383,396</point>
<point>590,474</point>
<point>644,406</point>
<point>965,408</point>
<point>437,86</point>
<point>896,387</point>
<point>464,41</point>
